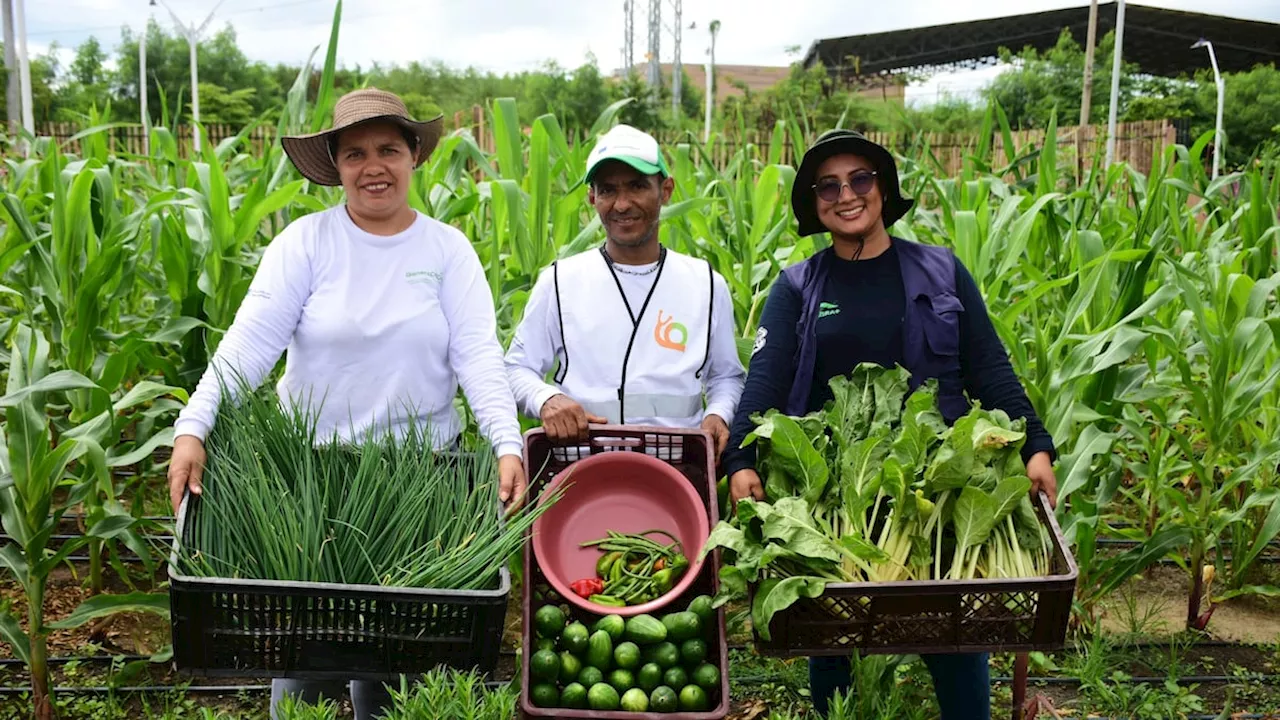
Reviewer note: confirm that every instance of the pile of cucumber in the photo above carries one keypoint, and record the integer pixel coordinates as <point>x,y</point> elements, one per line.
<point>639,664</point>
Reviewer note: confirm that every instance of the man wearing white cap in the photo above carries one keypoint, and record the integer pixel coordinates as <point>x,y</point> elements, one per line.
<point>638,334</point>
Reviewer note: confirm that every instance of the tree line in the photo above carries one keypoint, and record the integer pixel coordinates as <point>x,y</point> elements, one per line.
<point>236,90</point>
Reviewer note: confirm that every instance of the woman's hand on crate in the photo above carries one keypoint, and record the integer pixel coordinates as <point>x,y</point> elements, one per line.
<point>1040,470</point>
<point>744,484</point>
<point>511,480</point>
<point>186,468</point>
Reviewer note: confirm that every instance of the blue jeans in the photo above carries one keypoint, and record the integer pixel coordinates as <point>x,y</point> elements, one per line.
<point>962,683</point>
<point>369,698</point>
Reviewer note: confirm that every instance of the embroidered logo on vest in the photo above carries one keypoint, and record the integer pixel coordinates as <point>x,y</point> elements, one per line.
<point>666,332</point>
<point>827,309</point>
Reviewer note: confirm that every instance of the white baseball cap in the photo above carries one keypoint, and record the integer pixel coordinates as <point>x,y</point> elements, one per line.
<point>627,144</point>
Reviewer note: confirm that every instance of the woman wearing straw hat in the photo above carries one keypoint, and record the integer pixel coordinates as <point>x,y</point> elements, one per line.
<point>875,298</point>
<point>383,310</point>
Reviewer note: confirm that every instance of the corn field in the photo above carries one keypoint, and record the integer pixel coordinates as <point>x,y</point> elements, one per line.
<point>1140,310</point>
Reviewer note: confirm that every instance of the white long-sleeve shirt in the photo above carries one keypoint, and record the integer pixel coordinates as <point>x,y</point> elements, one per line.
<point>538,344</point>
<point>380,331</point>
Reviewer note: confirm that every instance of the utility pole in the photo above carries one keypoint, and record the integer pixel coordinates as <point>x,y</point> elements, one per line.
<point>1115,83</point>
<point>711,80</point>
<point>629,42</point>
<point>13,93</point>
<point>193,34</point>
<point>143,85</point>
<point>1086,97</point>
<point>655,42</point>
<point>676,69</point>
<point>24,69</point>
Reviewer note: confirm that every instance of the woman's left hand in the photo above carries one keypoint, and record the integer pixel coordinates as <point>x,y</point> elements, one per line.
<point>511,480</point>
<point>1040,471</point>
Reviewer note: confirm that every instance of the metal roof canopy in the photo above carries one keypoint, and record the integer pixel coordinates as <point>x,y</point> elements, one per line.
<point>1157,40</point>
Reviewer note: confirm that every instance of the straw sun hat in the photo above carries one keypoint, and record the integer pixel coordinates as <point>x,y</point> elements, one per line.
<point>310,153</point>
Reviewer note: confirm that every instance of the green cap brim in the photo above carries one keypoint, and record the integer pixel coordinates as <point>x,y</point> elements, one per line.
<point>642,166</point>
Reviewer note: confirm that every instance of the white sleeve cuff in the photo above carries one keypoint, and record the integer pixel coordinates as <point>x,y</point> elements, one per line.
<point>724,410</point>
<point>508,447</point>
<point>190,426</point>
<point>540,398</point>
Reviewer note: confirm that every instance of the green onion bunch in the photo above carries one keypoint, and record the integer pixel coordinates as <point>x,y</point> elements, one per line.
<point>278,503</point>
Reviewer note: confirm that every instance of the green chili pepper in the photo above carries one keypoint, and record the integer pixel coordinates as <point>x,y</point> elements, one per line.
<point>606,562</point>
<point>608,600</point>
<point>663,580</point>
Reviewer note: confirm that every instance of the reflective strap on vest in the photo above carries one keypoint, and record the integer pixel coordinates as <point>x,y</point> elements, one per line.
<point>647,406</point>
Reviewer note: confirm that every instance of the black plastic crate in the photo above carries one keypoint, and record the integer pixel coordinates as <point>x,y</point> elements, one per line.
<point>933,616</point>
<point>328,631</point>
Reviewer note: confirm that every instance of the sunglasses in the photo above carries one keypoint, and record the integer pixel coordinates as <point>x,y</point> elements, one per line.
<point>829,189</point>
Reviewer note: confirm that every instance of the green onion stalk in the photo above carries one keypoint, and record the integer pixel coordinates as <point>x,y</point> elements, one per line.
<point>384,509</point>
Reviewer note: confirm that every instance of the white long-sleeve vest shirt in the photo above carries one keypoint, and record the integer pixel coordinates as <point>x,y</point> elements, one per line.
<point>380,331</point>
<point>663,354</point>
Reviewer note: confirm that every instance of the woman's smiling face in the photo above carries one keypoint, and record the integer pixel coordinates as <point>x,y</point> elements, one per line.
<point>850,214</point>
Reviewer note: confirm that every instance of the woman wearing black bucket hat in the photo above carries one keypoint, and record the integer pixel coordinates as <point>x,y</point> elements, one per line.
<point>872,297</point>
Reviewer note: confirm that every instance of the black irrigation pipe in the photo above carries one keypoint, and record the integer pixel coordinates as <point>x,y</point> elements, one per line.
<point>5,662</point>
<point>165,689</point>
<point>144,689</point>
<point>1150,680</point>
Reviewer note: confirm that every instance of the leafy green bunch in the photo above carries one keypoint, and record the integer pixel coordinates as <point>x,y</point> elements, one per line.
<point>876,487</point>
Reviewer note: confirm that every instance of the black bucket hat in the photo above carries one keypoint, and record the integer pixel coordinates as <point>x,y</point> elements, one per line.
<point>845,142</point>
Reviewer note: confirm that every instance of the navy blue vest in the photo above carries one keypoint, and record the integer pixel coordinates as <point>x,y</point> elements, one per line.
<point>930,326</point>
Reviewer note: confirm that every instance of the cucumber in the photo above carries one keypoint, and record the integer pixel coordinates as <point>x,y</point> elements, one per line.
<point>600,650</point>
<point>645,630</point>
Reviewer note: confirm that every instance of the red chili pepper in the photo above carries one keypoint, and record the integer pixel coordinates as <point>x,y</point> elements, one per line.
<point>587,587</point>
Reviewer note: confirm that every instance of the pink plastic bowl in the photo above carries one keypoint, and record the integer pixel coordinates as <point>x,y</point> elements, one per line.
<point>627,492</point>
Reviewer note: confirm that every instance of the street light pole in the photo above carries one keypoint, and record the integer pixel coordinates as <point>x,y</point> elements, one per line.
<point>193,38</point>
<point>1115,83</point>
<point>142,82</point>
<point>24,67</point>
<point>13,89</point>
<point>1222,93</point>
<point>711,75</point>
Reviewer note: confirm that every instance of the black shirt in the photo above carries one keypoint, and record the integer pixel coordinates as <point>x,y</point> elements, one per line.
<point>860,320</point>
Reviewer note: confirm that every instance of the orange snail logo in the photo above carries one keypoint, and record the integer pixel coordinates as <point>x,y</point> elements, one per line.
<point>666,332</point>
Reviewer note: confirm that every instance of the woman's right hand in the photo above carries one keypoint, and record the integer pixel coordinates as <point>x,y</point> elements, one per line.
<point>744,484</point>
<point>186,468</point>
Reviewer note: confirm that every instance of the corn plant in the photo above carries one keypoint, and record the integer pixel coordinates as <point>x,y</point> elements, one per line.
<point>39,485</point>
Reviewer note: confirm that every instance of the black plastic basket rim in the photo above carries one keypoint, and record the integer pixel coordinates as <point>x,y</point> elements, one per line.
<point>281,587</point>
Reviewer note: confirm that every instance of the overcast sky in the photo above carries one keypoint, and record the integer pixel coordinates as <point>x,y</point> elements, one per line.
<point>513,35</point>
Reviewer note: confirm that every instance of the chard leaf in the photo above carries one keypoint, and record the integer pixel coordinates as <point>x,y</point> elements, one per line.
<point>890,388</point>
<point>893,478</point>
<point>952,464</point>
<point>775,595</point>
<point>791,523</point>
<point>791,451</point>
<point>777,483</point>
<point>860,473</point>
<point>748,561</point>
<point>724,536</point>
<point>993,439</point>
<point>764,427</point>
<point>1008,494</point>
<point>852,408</point>
<point>974,517</point>
<point>863,549</point>
<point>733,585</point>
